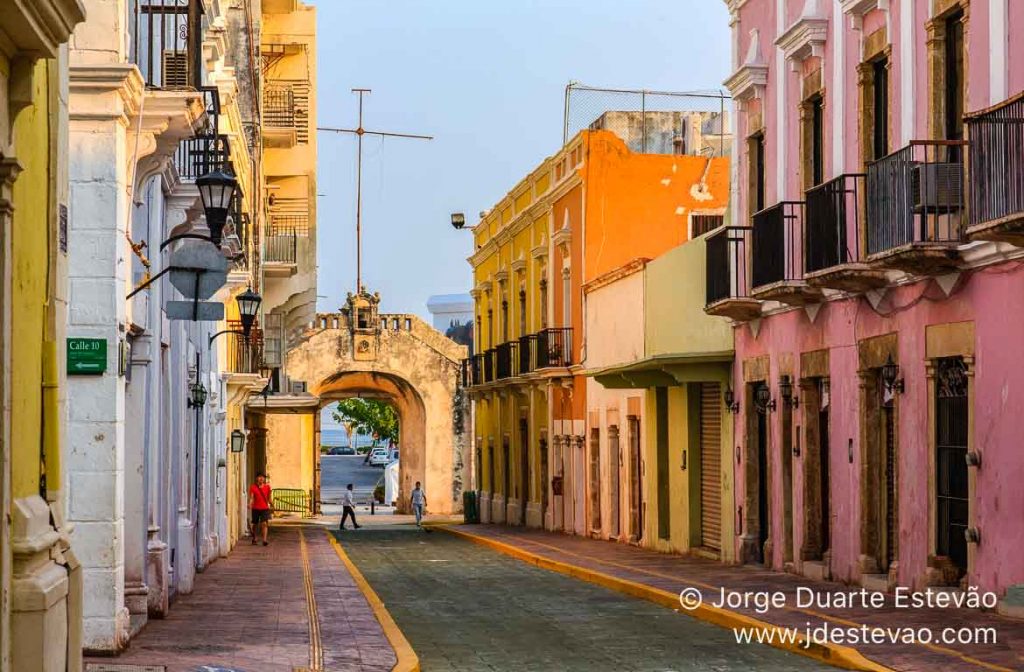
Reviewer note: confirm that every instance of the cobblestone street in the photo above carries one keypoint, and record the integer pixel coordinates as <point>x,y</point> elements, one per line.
<point>465,607</point>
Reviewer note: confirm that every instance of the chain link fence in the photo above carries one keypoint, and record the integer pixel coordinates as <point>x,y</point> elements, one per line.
<point>651,122</point>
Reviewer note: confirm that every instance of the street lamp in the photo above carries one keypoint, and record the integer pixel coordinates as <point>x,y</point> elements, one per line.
<point>786,392</point>
<point>197,396</point>
<point>890,376</point>
<point>458,220</point>
<point>216,189</point>
<point>730,400</point>
<point>248,307</point>
<point>763,399</point>
<point>237,441</point>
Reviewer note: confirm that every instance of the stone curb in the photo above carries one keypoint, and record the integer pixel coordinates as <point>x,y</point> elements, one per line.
<point>407,661</point>
<point>843,657</point>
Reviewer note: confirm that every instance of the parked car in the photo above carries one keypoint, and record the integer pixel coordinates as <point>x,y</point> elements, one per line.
<point>379,457</point>
<point>346,450</point>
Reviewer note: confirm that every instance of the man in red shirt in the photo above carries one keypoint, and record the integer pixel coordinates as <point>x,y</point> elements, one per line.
<point>259,505</point>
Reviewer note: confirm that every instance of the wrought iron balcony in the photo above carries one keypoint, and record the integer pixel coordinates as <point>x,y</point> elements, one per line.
<point>165,41</point>
<point>832,249</point>
<point>506,360</point>
<point>727,286</point>
<point>996,167</point>
<point>202,154</point>
<point>243,355</point>
<point>778,272</point>
<point>466,372</point>
<point>915,207</point>
<point>280,245</point>
<point>527,353</point>
<point>477,371</point>
<point>488,366</point>
<point>554,347</point>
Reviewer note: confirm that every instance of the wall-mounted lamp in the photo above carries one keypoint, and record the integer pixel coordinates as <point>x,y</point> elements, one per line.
<point>891,376</point>
<point>458,220</point>
<point>786,392</point>
<point>197,395</point>
<point>972,535</point>
<point>216,190</point>
<point>973,458</point>
<point>730,400</point>
<point>237,441</point>
<point>763,401</point>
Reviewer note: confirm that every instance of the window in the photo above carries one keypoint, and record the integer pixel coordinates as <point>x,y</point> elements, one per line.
<point>543,304</point>
<point>817,148</point>
<point>490,328</point>
<point>701,224</point>
<point>566,298</point>
<point>522,312</point>
<point>504,321</point>
<point>879,108</point>
<point>954,71</point>
<point>756,167</point>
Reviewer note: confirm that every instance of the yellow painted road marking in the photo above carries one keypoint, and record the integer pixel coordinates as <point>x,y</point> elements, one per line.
<point>407,660</point>
<point>316,649</point>
<point>832,654</point>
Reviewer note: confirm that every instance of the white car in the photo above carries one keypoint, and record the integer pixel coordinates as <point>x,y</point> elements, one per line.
<point>379,457</point>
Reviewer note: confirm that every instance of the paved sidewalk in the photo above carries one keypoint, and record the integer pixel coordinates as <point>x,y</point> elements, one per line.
<point>250,612</point>
<point>673,573</point>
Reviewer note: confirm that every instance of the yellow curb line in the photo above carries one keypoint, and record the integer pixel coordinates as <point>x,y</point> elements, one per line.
<point>407,660</point>
<point>316,649</point>
<point>832,654</point>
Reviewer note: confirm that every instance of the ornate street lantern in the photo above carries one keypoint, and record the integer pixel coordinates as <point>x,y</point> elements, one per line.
<point>216,189</point>
<point>786,392</point>
<point>237,441</point>
<point>730,400</point>
<point>197,397</point>
<point>458,220</point>
<point>248,307</point>
<point>891,376</point>
<point>763,399</point>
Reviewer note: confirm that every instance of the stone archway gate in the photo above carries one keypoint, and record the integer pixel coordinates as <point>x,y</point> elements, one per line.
<point>401,359</point>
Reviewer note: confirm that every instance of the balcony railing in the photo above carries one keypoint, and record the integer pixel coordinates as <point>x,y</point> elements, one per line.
<point>280,245</point>
<point>833,223</point>
<point>916,195</point>
<point>466,372</point>
<point>996,165</point>
<point>727,275</point>
<point>778,231</point>
<point>506,360</point>
<point>278,107</point>
<point>202,154</point>
<point>487,364</point>
<point>164,41</point>
<point>527,357</point>
<point>244,355</point>
<point>554,347</point>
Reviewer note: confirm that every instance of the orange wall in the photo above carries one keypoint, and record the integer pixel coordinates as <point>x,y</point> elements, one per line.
<point>637,205</point>
<point>568,406</point>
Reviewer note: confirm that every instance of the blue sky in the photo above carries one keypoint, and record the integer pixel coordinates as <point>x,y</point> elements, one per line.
<point>487,79</point>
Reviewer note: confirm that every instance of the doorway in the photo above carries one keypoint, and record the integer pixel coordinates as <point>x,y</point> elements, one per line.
<point>506,474</point>
<point>762,484</point>
<point>710,466</point>
<point>544,480</point>
<point>951,482</point>
<point>824,486</point>
<point>636,498</point>
<point>615,469</point>
<point>524,468</point>
<point>888,523</point>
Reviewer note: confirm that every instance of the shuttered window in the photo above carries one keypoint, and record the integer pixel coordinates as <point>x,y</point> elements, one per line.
<point>711,466</point>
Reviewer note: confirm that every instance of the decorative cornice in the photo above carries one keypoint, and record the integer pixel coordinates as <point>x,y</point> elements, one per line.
<point>519,265</point>
<point>39,27</point>
<point>124,79</point>
<point>806,37</point>
<point>856,9</point>
<point>501,277</point>
<point>627,269</point>
<point>540,251</point>
<point>562,238</point>
<point>750,80</point>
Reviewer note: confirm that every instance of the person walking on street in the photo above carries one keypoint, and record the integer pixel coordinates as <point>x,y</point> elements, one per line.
<point>348,503</point>
<point>260,508</point>
<point>419,503</point>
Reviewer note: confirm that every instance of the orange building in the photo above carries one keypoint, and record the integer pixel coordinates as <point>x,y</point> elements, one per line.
<point>590,210</point>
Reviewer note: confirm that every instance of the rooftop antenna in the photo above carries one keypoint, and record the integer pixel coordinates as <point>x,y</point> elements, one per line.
<point>359,132</point>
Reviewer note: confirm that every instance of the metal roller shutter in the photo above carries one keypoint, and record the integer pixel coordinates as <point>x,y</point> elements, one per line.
<point>711,465</point>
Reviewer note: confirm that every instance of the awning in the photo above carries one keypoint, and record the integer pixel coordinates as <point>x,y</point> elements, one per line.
<point>664,370</point>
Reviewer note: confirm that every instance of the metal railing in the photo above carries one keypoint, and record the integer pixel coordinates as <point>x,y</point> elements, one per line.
<point>243,355</point>
<point>506,360</point>
<point>466,372</point>
<point>487,364</point>
<point>832,222</point>
<point>291,500</point>
<point>996,161</point>
<point>726,272</point>
<point>916,195</point>
<point>478,366</point>
<point>527,353</point>
<point>202,154</point>
<point>554,347</point>
<point>777,236</point>
<point>297,223</point>
<point>278,107</point>
<point>280,245</point>
<point>164,41</point>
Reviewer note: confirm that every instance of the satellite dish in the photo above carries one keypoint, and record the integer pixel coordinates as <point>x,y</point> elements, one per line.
<point>198,269</point>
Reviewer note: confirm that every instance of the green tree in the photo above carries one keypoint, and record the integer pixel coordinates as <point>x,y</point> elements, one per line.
<point>368,416</point>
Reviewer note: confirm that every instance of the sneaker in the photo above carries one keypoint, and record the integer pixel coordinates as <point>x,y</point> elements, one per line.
<point>266,543</point>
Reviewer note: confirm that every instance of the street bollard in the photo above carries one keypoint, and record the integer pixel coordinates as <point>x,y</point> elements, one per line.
<point>373,503</point>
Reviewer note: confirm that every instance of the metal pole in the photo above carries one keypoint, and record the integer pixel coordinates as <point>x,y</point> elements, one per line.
<point>565,115</point>
<point>195,465</point>
<point>643,122</point>
<point>359,194</point>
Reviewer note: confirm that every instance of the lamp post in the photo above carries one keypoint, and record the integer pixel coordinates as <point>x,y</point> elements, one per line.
<point>216,189</point>
<point>458,220</point>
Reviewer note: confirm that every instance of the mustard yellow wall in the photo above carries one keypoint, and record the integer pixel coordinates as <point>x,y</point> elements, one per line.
<point>33,263</point>
<point>290,450</point>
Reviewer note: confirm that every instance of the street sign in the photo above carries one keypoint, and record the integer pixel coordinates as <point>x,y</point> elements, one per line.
<point>87,356</point>
<point>203,311</point>
<point>198,269</point>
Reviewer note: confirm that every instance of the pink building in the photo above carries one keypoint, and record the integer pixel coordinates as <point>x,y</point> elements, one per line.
<point>875,277</point>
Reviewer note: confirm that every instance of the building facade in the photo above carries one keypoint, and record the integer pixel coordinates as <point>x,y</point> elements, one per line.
<point>40,575</point>
<point>579,228</point>
<point>871,274</point>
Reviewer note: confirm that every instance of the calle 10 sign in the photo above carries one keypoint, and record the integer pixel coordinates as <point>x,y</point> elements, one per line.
<point>87,356</point>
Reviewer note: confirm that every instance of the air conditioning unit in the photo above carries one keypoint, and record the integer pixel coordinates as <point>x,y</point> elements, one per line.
<point>174,70</point>
<point>298,387</point>
<point>937,187</point>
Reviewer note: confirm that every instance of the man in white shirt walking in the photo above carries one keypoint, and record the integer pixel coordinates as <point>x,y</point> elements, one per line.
<point>419,503</point>
<point>348,503</point>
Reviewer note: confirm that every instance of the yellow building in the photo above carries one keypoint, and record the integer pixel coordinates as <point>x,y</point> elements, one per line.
<point>40,616</point>
<point>285,439</point>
